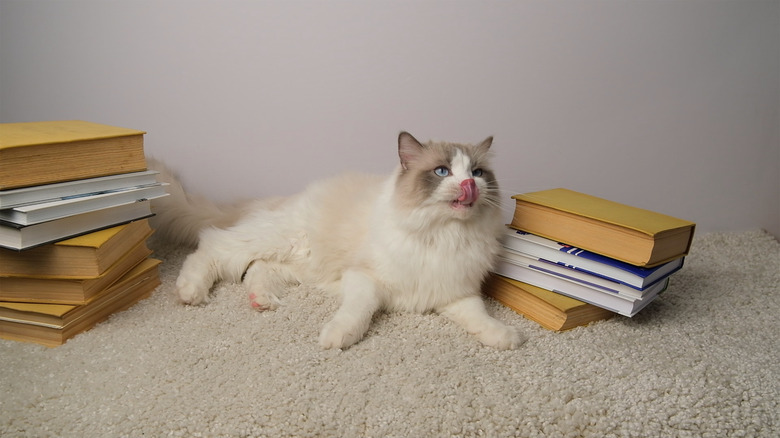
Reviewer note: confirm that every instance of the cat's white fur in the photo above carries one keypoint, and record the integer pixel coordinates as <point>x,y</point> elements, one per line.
<point>396,243</point>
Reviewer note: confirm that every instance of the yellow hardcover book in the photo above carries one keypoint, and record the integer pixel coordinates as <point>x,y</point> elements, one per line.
<point>36,153</point>
<point>53,324</point>
<point>85,256</point>
<point>630,234</point>
<point>551,310</point>
<point>56,290</point>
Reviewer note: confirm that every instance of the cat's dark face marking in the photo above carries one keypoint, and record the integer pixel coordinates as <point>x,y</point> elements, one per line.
<point>436,174</point>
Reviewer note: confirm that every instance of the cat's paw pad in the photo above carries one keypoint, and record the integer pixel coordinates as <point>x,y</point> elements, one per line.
<point>189,293</point>
<point>264,301</point>
<point>338,335</point>
<point>502,337</point>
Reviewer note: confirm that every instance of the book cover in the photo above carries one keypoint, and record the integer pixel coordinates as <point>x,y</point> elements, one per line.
<point>22,237</point>
<point>36,153</point>
<point>53,324</point>
<point>574,290</point>
<point>630,234</point>
<point>85,256</point>
<point>550,310</point>
<point>595,264</point>
<point>54,192</point>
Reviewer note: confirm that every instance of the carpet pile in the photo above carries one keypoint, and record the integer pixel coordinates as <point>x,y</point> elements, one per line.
<point>703,360</point>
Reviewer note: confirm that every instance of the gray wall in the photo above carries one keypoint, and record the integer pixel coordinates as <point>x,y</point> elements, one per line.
<point>667,105</point>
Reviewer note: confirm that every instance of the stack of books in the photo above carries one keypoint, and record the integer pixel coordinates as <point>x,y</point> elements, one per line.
<point>74,202</point>
<point>603,256</point>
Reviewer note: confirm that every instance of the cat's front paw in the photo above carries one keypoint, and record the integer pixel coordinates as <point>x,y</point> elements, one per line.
<point>501,336</point>
<point>336,334</point>
<point>190,293</point>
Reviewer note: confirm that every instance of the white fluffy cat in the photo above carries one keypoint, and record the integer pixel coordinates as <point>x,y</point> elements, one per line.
<point>422,239</point>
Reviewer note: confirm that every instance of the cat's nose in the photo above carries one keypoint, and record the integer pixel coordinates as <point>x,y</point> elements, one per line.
<point>469,192</point>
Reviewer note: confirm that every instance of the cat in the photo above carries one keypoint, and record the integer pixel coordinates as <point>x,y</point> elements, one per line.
<point>421,239</point>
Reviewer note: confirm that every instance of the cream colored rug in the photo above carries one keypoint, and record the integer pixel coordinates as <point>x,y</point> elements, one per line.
<point>703,360</point>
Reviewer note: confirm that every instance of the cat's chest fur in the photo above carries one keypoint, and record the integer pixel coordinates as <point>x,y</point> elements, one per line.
<point>427,268</point>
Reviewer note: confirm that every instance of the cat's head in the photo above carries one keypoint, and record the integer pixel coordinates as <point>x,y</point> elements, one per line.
<point>450,180</point>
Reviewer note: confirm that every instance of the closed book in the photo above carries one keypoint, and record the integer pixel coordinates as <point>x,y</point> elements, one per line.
<point>600,284</point>
<point>629,234</point>
<point>576,258</point>
<point>22,237</point>
<point>58,290</point>
<point>54,192</point>
<point>73,205</point>
<point>549,309</point>
<point>36,153</point>
<point>573,289</point>
<point>53,324</point>
<point>89,255</point>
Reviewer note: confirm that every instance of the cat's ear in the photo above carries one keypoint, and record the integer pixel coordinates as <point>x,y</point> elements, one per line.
<point>485,145</point>
<point>408,149</point>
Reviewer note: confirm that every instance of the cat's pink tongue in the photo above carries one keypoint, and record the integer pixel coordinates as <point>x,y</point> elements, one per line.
<point>469,192</point>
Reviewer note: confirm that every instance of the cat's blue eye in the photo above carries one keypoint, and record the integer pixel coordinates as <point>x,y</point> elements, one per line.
<point>441,171</point>
<point>476,173</point>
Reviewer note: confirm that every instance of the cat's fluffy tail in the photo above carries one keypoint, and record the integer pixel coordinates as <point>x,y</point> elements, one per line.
<point>180,217</point>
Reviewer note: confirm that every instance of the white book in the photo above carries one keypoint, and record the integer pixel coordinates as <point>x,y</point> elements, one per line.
<point>593,281</point>
<point>14,236</point>
<point>572,289</point>
<point>69,206</point>
<point>52,192</point>
<point>586,261</point>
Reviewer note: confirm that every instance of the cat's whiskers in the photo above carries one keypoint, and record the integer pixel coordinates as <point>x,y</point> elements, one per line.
<point>492,195</point>
<point>492,201</point>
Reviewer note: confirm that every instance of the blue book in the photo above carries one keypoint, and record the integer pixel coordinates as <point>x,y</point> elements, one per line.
<point>594,264</point>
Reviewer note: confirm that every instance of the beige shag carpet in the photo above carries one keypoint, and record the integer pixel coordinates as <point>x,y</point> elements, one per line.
<point>701,361</point>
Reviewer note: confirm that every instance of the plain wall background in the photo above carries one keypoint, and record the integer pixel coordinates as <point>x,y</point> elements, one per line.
<point>671,106</point>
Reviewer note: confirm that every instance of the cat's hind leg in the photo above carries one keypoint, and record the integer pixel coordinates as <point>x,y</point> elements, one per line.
<point>470,313</point>
<point>358,305</point>
<point>265,281</point>
<point>273,268</point>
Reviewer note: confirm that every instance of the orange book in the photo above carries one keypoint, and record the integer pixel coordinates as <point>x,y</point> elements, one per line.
<point>53,324</point>
<point>85,256</point>
<point>629,234</point>
<point>551,310</point>
<point>36,153</point>
<point>66,290</point>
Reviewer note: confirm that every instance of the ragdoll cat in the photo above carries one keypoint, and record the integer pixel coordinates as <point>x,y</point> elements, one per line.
<point>422,239</point>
